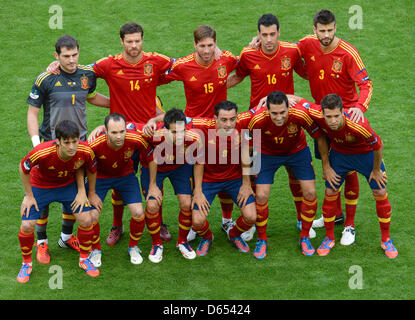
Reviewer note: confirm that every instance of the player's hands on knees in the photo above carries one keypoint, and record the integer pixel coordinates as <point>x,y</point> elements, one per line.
<point>380,177</point>
<point>331,177</point>
<point>356,115</point>
<point>200,200</point>
<point>244,192</point>
<point>154,191</point>
<point>79,202</point>
<point>95,133</point>
<point>255,43</point>
<point>95,201</point>
<point>53,68</point>
<point>27,203</point>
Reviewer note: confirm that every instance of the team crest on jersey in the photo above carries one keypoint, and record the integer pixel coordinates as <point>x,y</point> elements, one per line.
<point>337,66</point>
<point>148,69</point>
<point>292,128</point>
<point>78,164</point>
<point>128,154</point>
<point>84,82</point>
<point>222,72</point>
<point>286,64</point>
<point>350,138</point>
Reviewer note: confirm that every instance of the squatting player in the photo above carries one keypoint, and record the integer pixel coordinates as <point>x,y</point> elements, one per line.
<point>283,142</point>
<point>114,149</point>
<point>176,150</point>
<point>48,175</point>
<point>222,170</point>
<point>354,146</point>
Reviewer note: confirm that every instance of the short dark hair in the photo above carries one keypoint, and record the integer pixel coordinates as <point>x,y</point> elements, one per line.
<point>268,20</point>
<point>225,105</point>
<point>332,101</point>
<point>114,117</point>
<point>277,97</point>
<point>203,32</point>
<point>172,116</point>
<point>324,17</point>
<point>66,129</point>
<point>66,41</point>
<point>129,28</point>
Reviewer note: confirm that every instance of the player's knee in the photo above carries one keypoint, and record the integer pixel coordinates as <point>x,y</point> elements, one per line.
<point>198,219</point>
<point>262,197</point>
<point>309,193</point>
<point>84,219</point>
<point>250,213</point>
<point>137,212</point>
<point>378,192</point>
<point>28,225</point>
<point>152,206</point>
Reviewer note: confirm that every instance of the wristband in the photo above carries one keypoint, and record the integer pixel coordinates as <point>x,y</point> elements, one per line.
<point>35,140</point>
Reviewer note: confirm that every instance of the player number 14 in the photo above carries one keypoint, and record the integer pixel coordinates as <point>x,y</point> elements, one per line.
<point>134,86</point>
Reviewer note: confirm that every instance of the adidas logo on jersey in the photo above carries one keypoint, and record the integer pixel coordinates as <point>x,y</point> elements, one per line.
<point>58,84</point>
<point>193,79</point>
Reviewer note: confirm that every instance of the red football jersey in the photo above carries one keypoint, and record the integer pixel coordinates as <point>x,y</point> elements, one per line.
<point>48,170</point>
<point>338,71</point>
<point>132,87</point>
<point>222,156</point>
<point>270,72</point>
<point>114,163</point>
<point>169,157</point>
<point>287,139</point>
<point>204,87</point>
<point>353,138</point>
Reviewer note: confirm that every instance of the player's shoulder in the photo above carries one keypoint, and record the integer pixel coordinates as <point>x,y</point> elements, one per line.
<point>288,45</point>
<point>86,69</point>
<point>155,56</point>
<point>227,55</point>
<point>308,39</point>
<point>101,139</point>
<point>43,149</point>
<point>44,78</point>
<point>300,112</point>
<point>203,122</point>
<point>84,147</point>
<point>349,49</point>
<point>183,61</point>
<point>362,127</point>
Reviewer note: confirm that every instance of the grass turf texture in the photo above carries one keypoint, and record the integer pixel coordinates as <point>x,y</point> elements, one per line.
<point>386,46</point>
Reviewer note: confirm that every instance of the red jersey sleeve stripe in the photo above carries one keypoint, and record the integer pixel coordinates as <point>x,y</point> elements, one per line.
<point>41,153</point>
<point>354,54</point>
<point>301,114</point>
<point>358,128</point>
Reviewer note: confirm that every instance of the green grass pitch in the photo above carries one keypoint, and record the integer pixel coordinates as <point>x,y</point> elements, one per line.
<point>386,44</point>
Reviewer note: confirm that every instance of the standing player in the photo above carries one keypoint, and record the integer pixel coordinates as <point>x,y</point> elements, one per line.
<point>205,85</point>
<point>63,97</point>
<point>335,66</point>
<point>48,175</point>
<point>132,77</point>
<point>222,170</point>
<point>283,142</point>
<point>271,68</point>
<point>113,151</point>
<point>176,150</point>
<point>354,147</point>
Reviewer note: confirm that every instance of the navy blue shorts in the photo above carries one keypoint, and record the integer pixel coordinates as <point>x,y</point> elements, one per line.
<point>300,162</point>
<point>127,186</point>
<point>181,179</point>
<point>211,189</point>
<point>362,163</point>
<point>45,196</point>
